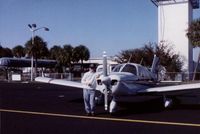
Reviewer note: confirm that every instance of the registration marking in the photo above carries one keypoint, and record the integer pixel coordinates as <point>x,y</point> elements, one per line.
<point>101,118</point>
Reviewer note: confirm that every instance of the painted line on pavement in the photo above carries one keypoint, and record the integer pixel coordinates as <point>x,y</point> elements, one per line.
<point>101,118</point>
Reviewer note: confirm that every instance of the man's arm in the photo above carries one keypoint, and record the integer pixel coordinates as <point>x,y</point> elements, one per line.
<point>84,81</point>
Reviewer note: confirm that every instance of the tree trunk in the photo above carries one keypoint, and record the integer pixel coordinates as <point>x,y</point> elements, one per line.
<point>82,66</point>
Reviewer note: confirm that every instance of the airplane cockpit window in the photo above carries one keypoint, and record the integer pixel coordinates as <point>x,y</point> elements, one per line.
<point>144,73</point>
<point>117,68</point>
<point>130,68</point>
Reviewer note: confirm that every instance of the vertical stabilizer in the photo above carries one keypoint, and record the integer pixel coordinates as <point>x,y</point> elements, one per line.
<point>154,66</point>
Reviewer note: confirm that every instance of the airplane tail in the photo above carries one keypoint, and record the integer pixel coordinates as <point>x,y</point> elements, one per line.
<point>154,66</point>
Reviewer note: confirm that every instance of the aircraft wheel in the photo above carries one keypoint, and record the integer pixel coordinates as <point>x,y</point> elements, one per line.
<point>168,102</point>
<point>113,106</point>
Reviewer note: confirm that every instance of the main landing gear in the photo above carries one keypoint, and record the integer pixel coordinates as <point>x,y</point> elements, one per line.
<point>168,102</point>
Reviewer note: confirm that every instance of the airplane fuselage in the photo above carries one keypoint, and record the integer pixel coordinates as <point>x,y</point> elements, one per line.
<point>127,79</point>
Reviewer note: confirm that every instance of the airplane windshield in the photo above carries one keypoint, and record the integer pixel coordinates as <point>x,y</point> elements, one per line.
<point>117,68</point>
<point>129,68</point>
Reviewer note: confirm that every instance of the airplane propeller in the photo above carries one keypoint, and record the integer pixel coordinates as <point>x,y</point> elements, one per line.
<point>105,80</point>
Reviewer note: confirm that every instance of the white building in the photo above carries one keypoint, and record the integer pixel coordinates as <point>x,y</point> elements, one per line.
<point>174,18</point>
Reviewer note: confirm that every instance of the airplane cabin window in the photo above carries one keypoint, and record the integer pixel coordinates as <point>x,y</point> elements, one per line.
<point>129,68</point>
<point>144,73</point>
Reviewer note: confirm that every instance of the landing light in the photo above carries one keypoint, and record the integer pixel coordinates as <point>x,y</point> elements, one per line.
<point>114,82</point>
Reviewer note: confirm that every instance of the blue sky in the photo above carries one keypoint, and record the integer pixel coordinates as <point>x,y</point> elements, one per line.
<point>110,25</point>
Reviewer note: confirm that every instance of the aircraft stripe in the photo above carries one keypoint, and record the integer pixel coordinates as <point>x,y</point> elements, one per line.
<point>102,118</point>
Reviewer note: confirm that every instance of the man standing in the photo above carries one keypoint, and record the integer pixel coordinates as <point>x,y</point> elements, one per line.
<point>89,79</point>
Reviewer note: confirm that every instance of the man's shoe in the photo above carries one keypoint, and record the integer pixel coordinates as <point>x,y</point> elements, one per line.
<point>88,114</point>
<point>93,114</point>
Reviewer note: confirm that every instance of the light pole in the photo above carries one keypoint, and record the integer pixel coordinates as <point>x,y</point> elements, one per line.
<point>34,28</point>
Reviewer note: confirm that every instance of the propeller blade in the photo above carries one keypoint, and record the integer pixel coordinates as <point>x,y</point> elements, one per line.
<point>106,99</point>
<point>105,74</point>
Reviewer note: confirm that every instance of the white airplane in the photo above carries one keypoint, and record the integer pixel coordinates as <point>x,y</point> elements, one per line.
<point>129,79</point>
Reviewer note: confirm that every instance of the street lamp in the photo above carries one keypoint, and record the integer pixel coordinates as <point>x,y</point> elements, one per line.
<point>34,28</point>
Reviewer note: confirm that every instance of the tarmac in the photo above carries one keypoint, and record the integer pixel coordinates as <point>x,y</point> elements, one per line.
<point>38,108</point>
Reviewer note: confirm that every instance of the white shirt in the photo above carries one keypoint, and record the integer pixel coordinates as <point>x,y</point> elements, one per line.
<point>89,79</point>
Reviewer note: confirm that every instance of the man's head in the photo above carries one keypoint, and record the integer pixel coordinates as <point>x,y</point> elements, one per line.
<point>92,67</point>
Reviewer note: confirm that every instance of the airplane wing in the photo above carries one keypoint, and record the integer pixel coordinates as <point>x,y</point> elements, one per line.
<point>172,89</point>
<point>61,82</point>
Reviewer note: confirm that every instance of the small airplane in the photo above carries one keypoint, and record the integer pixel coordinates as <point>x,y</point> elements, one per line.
<point>129,79</point>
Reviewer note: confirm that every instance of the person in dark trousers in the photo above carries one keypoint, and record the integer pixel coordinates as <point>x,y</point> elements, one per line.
<point>89,79</point>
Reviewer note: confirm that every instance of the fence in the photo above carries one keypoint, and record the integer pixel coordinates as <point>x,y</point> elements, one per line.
<point>178,76</point>
<point>169,76</point>
<point>26,76</point>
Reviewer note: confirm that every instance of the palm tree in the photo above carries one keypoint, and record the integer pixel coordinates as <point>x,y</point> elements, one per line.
<point>18,51</point>
<point>37,50</point>
<point>193,34</point>
<point>1,51</point>
<point>81,53</point>
<point>56,53</point>
<point>67,55</point>
<point>76,54</point>
<point>5,52</point>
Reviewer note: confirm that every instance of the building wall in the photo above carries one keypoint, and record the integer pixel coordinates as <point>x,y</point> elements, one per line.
<point>173,21</point>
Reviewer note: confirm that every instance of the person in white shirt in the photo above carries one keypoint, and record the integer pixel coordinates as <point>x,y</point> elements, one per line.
<point>89,79</point>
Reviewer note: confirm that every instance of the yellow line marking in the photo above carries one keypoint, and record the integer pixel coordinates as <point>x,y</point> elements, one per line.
<point>102,118</point>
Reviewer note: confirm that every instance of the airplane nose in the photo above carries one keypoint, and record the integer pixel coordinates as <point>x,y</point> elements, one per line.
<point>106,80</point>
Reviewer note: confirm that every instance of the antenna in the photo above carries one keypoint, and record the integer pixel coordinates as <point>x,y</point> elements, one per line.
<point>141,61</point>
<point>130,58</point>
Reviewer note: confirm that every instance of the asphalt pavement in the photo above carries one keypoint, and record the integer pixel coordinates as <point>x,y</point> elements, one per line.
<point>38,108</point>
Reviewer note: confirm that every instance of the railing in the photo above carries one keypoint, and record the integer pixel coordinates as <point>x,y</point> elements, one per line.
<point>26,76</point>
<point>178,76</point>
